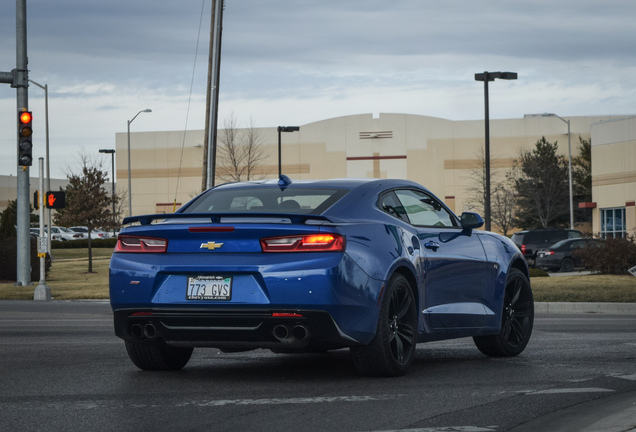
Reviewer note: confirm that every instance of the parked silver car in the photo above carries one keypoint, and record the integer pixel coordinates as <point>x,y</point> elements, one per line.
<point>95,233</point>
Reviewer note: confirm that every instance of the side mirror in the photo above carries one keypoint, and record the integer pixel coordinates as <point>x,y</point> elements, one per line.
<point>471,220</point>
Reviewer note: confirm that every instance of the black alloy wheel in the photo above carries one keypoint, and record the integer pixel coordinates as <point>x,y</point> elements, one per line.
<point>392,350</point>
<point>516,322</point>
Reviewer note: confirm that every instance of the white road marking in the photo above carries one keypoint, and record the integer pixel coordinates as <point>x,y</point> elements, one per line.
<point>570,390</point>
<point>283,401</point>
<point>448,429</point>
<point>631,377</point>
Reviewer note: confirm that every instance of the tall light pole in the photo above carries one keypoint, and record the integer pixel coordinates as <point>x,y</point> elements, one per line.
<point>147,110</point>
<point>283,129</point>
<point>485,77</point>
<point>112,154</point>
<point>569,165</point>
<point>45,87</point>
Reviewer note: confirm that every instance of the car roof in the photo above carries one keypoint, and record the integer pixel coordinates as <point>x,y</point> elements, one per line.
<point>348,183</point>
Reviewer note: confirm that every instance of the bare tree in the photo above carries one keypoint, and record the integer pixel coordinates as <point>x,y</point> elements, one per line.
<point>477,186</point>
<point>502,199</point>
<point>241,152</point>
<point>503,208</point>
<point>88,203</point>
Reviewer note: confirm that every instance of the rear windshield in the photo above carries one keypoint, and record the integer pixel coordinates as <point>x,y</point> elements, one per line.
<point>266,200</point>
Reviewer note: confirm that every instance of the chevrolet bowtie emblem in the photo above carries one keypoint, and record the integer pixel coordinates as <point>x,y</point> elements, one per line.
<point>211,245</point>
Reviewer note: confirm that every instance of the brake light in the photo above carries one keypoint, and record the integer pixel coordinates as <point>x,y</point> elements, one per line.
<point>210,229</point>
<point>523,249</point>
<point>304,243</point>
<point>141,244</point>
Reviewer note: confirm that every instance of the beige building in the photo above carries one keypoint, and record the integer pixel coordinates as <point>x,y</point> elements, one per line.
<point>9,188</point>
<point>614,177</point>
<point>440,154</point>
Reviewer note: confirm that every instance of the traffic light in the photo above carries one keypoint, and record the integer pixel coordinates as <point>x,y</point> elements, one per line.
<point>55,200</point>
<point>25,146</point>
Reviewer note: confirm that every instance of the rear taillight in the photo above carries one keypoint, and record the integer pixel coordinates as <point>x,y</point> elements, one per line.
<point>141,244</point>
<point>304,243</point>
<point>523,249</point>
<point>548,253</point>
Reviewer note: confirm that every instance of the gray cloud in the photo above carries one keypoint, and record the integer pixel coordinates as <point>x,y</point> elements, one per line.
<point>302,60</point>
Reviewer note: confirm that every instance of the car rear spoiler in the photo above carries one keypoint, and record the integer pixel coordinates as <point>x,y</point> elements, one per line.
<point>306,219</point>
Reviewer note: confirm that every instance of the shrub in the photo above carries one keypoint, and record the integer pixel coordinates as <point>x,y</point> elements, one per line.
<point>537,272</point>
<point>609,256</point>
<point>83,244</point>
<point>9,260</point>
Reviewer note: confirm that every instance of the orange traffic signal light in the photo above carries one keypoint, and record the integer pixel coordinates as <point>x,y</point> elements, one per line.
<point>26,117</point>
<point>25,146</point>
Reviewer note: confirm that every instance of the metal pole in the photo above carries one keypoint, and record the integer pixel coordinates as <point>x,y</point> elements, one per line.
<point>570,177</point>
<point>147,110</point>
<point>42,292</point>
<point>487,156</point>
<point>217,20</point>
<point>569,165</point>
<point>279,152</point>
<point>23,177</point>
<point>45,87</point>
<point>112,167</point>
<point>129,181</point>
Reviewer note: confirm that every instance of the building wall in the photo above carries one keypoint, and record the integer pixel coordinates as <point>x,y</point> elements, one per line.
<point>9,188</point>
<point>438,153</point>
<point>614,169</point>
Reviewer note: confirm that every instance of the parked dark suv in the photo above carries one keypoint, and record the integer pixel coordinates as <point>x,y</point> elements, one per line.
<point>531,241</point>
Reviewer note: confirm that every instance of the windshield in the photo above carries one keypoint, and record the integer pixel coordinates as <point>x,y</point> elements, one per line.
<point>266,200</point>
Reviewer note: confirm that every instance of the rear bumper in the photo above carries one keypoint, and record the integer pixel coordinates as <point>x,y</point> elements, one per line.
<point>233,330</point>
<point>543,262</point>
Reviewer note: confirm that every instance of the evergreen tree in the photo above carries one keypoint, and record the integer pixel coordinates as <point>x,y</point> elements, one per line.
<point>540,178</point>
<point>582,180</point>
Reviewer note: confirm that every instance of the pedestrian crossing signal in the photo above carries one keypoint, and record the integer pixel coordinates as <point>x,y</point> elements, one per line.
<point>55,200</point>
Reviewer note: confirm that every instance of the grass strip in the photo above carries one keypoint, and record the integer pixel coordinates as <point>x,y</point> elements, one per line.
<point>69,280</point>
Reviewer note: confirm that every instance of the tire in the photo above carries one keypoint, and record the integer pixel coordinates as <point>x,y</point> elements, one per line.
<point>391,351</point>
<point>567,265</point>
<point>158,356</point>
<point>516,321</point>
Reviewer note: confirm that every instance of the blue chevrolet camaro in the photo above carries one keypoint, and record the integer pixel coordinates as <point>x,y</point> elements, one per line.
<point>375,266</point>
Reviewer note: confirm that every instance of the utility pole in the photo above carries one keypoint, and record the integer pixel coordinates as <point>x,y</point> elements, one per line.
<point>212,102</point>
<point>19,79</point>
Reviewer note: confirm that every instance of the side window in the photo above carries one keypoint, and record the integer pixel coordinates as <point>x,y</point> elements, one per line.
<point>424,210</point>
<point>391,205</point>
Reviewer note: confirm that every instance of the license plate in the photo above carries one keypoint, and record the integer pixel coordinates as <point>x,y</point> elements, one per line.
<point>209,288</point>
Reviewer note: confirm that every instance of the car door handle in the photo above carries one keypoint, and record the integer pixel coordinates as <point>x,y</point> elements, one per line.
<point>431,245</point>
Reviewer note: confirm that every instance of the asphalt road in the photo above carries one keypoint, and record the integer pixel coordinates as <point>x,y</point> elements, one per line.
<point>61,368</point>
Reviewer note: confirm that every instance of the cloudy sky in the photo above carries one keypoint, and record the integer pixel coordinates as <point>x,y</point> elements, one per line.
<point>292,62</point>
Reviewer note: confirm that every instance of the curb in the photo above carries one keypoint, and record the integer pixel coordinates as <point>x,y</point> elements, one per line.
<point>582,307</point>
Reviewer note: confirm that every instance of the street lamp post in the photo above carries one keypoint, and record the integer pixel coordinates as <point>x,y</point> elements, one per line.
<point>485,77</point>
<point>45,87</point>
<point>112,154</point>
<point>569,165</point>
<point>283,129</point>
<point>129,181</point>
